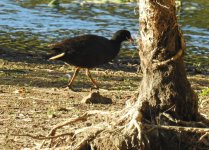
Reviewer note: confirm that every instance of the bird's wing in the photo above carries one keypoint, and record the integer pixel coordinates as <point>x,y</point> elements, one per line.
<point>90,45</point>
<point>80,44</point>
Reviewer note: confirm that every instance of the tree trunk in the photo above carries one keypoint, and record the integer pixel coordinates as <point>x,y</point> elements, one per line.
<point>164,86</point>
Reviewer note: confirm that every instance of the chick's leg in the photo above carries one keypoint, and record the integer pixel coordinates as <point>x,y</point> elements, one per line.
<point>92,80</point>
<point>77,69</point>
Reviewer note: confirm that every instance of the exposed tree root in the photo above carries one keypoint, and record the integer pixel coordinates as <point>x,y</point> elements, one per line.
<point>122,129</point>
<point>173,121</point>
<point>124,122</point>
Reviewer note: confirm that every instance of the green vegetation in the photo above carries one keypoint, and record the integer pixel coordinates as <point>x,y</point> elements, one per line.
<point>205,92</point>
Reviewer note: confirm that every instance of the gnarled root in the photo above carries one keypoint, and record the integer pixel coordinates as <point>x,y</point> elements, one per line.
<point>120,128</point>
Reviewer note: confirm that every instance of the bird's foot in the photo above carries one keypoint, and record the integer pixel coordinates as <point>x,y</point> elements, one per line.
<point>69,87</point>
<point>66,88</point>
<point>96,88</point>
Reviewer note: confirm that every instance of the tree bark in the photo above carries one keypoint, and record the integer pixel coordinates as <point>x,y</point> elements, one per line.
<point>164,85</point>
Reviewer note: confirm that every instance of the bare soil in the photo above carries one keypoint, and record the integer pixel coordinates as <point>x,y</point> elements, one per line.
<point>33,97</point>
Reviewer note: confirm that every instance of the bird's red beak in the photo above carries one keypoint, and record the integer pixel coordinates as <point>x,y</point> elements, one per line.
<point>131,40</point>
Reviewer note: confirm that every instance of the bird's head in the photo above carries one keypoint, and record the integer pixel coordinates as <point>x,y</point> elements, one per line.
<point>122,35</point>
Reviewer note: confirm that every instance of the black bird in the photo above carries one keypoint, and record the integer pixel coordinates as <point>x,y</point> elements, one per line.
<point>89,51</point>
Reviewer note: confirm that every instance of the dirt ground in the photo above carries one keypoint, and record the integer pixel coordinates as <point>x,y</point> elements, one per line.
<point>33,97</point>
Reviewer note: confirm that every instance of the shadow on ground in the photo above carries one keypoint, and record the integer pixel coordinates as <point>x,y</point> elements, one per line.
<point>34,70</point>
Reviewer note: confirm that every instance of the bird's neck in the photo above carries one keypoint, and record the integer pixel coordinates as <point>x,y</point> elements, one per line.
<point>117,40</point>
<point>116,46</point>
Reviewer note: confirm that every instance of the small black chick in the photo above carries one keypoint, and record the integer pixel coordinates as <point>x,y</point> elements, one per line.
<point>89,51</point>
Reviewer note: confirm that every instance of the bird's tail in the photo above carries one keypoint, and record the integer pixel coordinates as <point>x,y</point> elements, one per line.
<point>51,45</point>
<point>57,56</point>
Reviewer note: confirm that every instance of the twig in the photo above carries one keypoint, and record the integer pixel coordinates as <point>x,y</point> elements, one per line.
<point>202,139</point>
<point>40,137</point>
<point>162,5</point>
<point>72,120</point>
<point>175,57</point>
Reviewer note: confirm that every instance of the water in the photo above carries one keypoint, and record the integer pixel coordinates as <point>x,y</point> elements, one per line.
<point>195,25</point>
<point>28,25</point>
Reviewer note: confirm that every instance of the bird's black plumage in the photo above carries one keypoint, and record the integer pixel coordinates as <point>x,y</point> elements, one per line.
<point>89,51</point>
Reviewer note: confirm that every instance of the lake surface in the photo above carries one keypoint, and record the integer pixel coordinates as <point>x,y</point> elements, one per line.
<point>29,25</point>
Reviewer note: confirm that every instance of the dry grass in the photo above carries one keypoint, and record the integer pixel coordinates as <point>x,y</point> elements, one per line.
<point>33,99</point>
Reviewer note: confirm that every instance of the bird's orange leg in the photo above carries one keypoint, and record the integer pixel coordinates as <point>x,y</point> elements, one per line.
<point>92,80</point>
<point>74,76</point>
